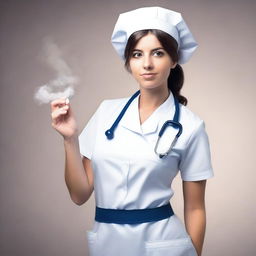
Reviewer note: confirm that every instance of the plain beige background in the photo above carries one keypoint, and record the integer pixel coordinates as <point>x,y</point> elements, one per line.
<point>37,215</point>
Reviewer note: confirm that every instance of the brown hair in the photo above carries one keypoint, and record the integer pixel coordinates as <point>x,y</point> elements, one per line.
<point>176,77</point>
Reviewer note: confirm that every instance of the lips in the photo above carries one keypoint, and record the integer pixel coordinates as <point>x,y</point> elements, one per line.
<point>148,75</point>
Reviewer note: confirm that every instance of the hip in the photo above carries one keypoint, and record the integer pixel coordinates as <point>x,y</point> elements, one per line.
<point>148,239</point>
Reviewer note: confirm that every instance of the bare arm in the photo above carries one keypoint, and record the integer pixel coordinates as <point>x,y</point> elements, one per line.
<point>194,212</point>
<point>78,171</point>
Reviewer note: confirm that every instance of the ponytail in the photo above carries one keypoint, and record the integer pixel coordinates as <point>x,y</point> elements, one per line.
<point>175,83</point>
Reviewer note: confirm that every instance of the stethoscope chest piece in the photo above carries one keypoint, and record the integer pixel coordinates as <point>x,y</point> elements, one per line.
<point>175,125</point>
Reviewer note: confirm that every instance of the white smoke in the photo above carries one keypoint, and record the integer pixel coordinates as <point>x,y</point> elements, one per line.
<point>63,85</point>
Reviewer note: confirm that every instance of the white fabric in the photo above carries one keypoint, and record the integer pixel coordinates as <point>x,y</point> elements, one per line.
<point>129,175</point>
<point>160,18</point>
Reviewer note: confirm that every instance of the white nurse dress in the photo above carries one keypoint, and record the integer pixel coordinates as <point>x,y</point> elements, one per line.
<point>129,175</point>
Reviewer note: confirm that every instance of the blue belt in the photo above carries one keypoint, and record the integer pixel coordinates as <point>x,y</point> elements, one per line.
<point>133,216</point>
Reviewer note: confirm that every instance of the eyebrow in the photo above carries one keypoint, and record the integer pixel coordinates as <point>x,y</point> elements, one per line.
<point>155,49</point>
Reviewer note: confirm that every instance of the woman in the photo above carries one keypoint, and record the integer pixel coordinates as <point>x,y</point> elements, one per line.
<point>130,172</point>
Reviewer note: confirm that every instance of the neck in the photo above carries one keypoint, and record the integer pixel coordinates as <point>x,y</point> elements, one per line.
<point>151,99</point>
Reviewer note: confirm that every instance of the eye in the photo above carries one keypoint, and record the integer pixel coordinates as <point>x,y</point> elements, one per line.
<point>136,54</point>
<point>158,53</point>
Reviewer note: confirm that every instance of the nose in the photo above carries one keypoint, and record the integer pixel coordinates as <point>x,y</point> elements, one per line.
<point>148,63</point>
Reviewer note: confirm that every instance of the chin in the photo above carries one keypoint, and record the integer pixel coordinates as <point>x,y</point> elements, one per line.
<point>150,86</point>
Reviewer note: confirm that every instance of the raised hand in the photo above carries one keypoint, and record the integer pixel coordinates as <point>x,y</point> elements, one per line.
<point>63,119</point>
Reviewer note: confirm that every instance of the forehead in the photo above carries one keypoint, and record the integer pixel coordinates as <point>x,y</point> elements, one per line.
<point>147,42</point>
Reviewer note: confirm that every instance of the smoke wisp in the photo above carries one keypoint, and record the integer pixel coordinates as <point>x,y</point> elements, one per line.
<point>63,85</point>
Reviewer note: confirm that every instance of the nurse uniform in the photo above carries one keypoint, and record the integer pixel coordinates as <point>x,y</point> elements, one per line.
<point>128,174</point>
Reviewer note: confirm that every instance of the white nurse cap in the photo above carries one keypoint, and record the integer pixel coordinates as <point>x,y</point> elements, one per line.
<point>154,18</point>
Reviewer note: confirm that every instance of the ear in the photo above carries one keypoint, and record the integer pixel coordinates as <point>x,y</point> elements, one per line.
<point>174,65</point>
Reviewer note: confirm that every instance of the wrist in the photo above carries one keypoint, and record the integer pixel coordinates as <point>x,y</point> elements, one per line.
<point>71,139</point>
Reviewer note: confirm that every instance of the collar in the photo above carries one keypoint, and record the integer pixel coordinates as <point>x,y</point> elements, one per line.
<point>131,119</point>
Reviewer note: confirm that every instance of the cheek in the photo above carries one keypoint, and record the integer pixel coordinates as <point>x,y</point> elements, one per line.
<point>166,68</point>
<point>168,71</point>
<point>134,68</point>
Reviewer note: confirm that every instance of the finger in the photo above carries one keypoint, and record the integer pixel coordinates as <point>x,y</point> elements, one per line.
<point>65,107</point>
<point>55,104</point>
<point>58,103</point>
<point>57,113</point>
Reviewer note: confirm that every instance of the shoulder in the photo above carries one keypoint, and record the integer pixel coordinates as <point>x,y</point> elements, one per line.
<point>188,117</point>
<point>113,102</point>
<point>108,107</point>
<point>191,122</point>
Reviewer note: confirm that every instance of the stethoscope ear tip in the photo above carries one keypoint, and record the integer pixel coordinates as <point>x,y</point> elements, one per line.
<point>109,134</point>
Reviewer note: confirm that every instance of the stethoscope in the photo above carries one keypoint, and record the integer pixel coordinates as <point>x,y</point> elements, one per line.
<point>174,123</point>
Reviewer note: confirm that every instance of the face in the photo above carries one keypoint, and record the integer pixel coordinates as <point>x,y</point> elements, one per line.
<point>150,64</point>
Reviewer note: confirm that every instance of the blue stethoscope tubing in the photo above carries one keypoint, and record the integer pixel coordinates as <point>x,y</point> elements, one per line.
<point>174,123</point>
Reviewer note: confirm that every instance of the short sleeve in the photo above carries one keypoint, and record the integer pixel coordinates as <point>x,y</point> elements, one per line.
<point>195,163</point>
<point>87,137</point>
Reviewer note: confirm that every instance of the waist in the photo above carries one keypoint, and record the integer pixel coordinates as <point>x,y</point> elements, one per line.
<point>136,216</point>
